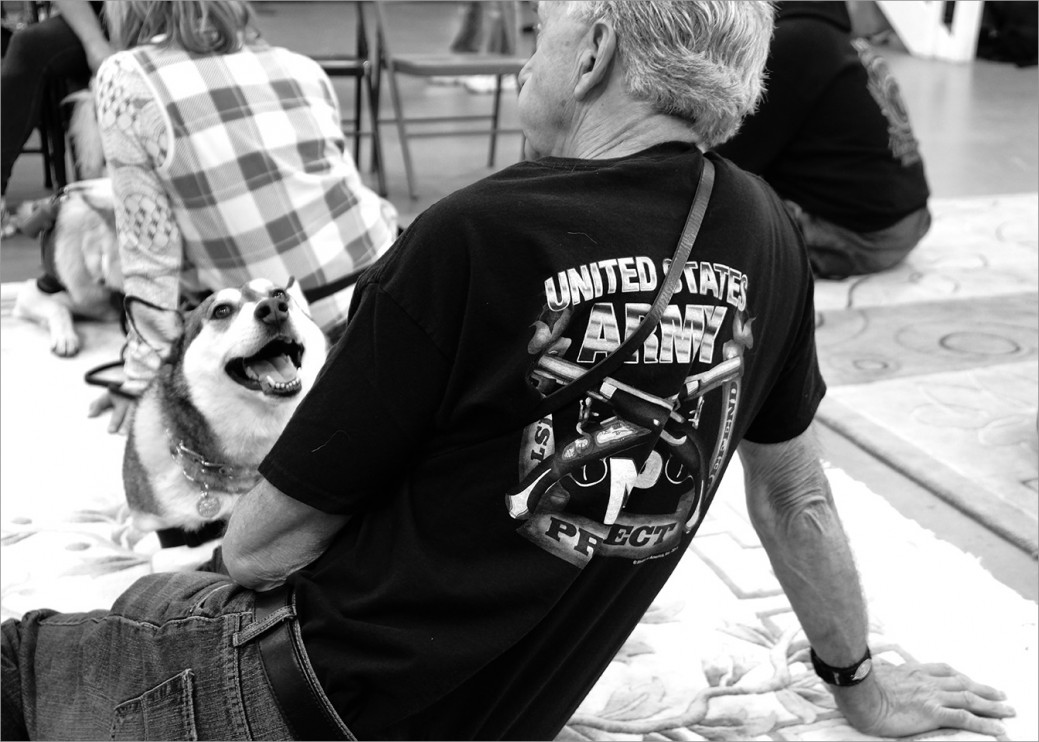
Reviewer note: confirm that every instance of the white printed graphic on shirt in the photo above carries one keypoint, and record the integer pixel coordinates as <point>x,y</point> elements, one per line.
<point>885,91</point>
<point>635,473</point>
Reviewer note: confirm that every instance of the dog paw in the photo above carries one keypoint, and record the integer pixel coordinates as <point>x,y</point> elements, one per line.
<point>65,346</point>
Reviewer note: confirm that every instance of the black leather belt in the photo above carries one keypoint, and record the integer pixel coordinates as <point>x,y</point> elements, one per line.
<point>282,652</point>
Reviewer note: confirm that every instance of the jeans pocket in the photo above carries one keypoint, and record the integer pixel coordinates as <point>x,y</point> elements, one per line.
<point>167,711</point>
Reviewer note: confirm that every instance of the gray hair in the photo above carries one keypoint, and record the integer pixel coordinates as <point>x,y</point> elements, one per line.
<point>698,60</point>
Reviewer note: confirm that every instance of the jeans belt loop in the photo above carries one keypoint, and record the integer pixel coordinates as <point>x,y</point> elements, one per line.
<point>282,656</point>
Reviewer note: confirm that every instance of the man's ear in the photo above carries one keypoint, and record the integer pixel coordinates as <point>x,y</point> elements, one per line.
<point>596,61</point>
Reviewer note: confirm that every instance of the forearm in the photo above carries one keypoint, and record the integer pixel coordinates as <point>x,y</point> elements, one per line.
<point>151,283</point>
<point>151,256</point>
<point>792,510</point>
<point>271,535</point>
<point>810,556</point>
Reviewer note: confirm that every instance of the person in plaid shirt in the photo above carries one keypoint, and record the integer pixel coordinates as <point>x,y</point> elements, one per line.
<point>228,163</point>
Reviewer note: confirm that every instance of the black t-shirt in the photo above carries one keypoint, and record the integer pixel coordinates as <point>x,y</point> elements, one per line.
<point>832,132</point>
<point>442,609</point>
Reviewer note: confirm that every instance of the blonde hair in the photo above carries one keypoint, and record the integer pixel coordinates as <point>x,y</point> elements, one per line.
<point>199,26</point>
<point>699,60</point>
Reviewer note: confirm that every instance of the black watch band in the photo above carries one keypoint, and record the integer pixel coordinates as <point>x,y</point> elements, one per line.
<point>843,676</point>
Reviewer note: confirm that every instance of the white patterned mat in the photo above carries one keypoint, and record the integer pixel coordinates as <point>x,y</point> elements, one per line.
<point>933,366</point>
<point>718,657</point>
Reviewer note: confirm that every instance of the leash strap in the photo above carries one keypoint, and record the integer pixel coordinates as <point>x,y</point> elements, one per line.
<point>321,292</point>
<point>93,378</point>
<point>594,376</point>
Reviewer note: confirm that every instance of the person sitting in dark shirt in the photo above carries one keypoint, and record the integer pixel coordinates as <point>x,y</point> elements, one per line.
<point>833,138</point>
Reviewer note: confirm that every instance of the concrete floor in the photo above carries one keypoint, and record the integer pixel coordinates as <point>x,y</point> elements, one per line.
<point>977,124</point>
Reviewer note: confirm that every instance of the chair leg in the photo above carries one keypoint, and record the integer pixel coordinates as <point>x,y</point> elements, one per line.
<point>523,137</point>
<point>45,153</point>
<point>376,107</point>
<point>357,121</point>
<point>52,137</point>
<point>373,114</point>
<point>494,120</point>
<point>43,128</point>
<point>398,112</point>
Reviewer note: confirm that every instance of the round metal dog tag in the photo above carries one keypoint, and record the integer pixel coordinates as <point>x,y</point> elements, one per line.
<point>208,507</point>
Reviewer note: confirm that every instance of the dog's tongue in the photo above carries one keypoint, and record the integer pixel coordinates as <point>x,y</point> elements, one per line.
<point>276,374</point>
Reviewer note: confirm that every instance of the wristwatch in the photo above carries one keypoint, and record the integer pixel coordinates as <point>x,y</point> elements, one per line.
<point>843,676</point>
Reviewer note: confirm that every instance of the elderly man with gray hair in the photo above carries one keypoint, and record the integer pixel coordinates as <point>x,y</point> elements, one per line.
<point>515,441</point>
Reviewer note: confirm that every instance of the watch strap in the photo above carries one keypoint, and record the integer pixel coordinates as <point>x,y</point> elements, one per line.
<point>843,676</point>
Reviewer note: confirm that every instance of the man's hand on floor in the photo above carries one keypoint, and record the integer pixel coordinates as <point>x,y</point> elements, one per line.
<point>903,700</point>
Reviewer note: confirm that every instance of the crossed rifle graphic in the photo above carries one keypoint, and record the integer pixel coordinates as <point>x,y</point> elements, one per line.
<point>639,418</point>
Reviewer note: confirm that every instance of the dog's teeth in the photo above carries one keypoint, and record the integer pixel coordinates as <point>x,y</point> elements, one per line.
<point>269,385</point>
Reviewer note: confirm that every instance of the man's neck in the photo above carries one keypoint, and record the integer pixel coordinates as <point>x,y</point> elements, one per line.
<point>606,139</point>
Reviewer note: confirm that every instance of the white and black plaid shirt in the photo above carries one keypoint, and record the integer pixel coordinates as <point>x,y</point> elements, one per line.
<point>227,168</point>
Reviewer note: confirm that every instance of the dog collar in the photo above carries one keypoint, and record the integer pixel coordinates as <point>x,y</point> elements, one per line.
<point>211,475</point>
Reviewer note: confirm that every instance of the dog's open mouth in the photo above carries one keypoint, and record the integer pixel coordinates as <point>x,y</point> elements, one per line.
<point>274,370</point>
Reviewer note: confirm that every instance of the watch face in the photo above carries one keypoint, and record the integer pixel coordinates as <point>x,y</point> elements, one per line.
<point>863,670</point>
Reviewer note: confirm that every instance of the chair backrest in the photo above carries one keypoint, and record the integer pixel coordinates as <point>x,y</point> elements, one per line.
<point>441,31</point>
<point>343,62</point>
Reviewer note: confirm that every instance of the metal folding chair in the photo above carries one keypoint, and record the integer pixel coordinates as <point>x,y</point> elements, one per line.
<point>394,62</point>
<point>360,67</point>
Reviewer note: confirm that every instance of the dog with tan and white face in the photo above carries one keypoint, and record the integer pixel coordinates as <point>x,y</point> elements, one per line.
<point>245,359</point>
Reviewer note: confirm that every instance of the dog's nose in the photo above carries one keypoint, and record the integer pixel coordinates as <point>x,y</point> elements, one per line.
<point>272,311</point>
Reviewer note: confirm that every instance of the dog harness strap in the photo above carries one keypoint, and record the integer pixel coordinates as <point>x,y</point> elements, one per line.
<point>48,283</point>
<point>169,537</point>
<point>283,657</point>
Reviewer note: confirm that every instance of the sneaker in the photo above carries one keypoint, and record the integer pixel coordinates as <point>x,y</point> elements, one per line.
<point>7,225</point>
<point>480,84</point>
<point>447,80</point>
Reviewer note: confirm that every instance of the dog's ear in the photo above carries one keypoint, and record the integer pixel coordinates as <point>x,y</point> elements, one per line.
<point>157,326</point>
<point>296,292</point>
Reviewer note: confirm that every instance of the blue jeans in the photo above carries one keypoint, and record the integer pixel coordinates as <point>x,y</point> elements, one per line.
<point>837,252</point>
<point>175,658</point>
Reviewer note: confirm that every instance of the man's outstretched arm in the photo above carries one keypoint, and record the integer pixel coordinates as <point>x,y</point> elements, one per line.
<point>790,505</point>
<point>272,535</point>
